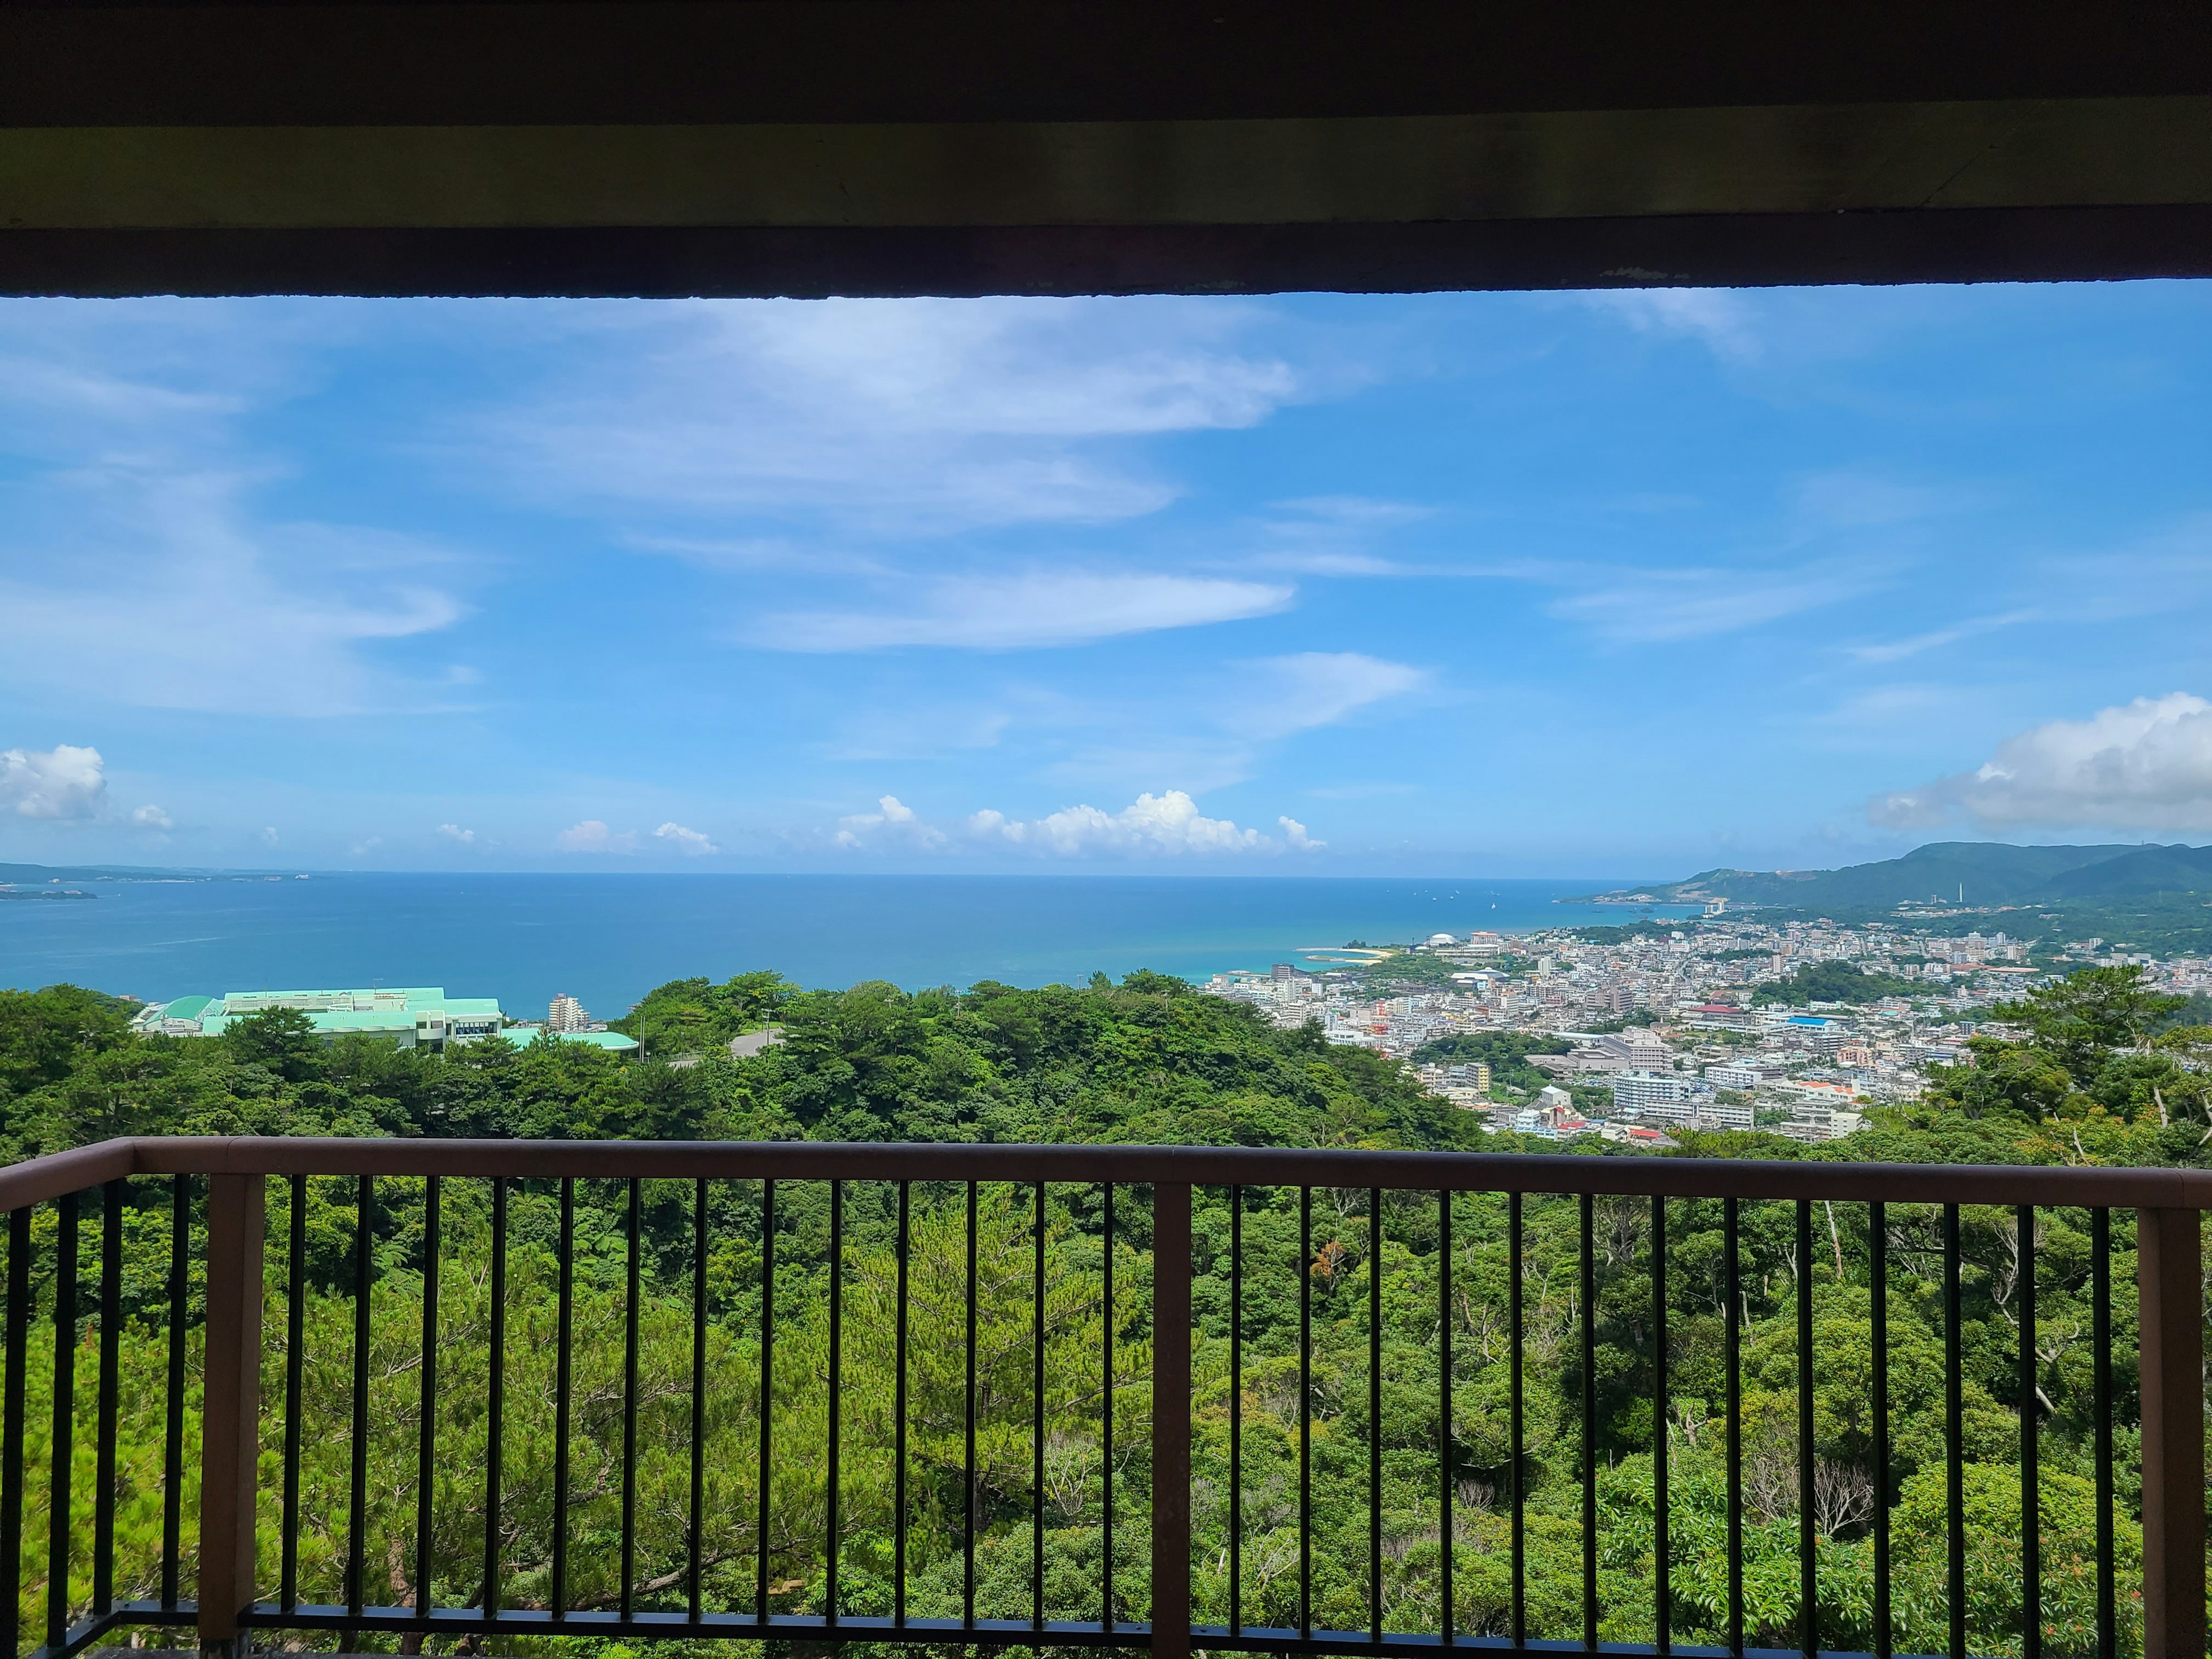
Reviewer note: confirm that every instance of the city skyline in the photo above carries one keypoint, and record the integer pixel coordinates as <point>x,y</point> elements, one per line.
<point>1551,584</point>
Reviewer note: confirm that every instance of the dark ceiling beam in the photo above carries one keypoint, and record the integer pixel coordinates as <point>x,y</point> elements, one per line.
<point>947,145</point>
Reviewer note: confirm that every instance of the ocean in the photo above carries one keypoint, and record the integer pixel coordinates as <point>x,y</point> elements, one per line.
<point>608,939</point>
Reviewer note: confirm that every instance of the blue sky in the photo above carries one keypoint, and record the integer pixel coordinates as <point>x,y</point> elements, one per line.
<point>1630,583</point>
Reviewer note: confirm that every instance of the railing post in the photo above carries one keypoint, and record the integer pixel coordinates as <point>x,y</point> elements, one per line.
<point>230,1441</point>
<point>2169,1275</point>
<point>1170,1420</point>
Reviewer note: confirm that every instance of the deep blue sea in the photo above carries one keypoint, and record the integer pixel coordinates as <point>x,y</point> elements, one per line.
<point>610,939</point>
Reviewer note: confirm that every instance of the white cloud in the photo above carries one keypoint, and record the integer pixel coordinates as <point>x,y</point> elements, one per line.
<point>1716,318</point>
<point>150,817</point>
<point>893,822</point>
<point>1889,651</point>
<point>913,416</point>
<point>594,836</point>
<point>1023,612</point>
<point>1867,500</point>
<point>1167,824</point>
<point>2144,765</point>
<point>1294,834</point>
<point>137,565</point>
<point>690,842</point>
<point>1285,695</point>
<point>268,835</point>
<point>1647,607</point>
<point>454,833</point>
<point>65,783</point>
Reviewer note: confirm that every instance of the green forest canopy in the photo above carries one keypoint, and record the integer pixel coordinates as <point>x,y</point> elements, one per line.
<point>2091,1078</point>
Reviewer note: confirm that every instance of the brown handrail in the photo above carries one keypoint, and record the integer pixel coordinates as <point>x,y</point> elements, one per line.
<point>41,1178</point>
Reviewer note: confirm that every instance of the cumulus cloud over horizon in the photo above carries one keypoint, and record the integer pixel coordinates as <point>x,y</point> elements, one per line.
<point>65,783</point>
<point>1167,823</point>
<point>893,822</point>
<point>594,836</point>
<point>2142,765</point>
<point>690,842</point>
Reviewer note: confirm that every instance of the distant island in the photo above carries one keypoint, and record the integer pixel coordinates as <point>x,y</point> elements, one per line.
<point>38,876</point>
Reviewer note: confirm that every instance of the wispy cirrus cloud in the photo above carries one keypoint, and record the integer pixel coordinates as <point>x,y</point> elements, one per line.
<point>1889,651</point>
<point>1634,606</point>
<point>140,563</point>
<point>908,417</point>
<point>1024,611</point>
<point>1277,697</point>
<point>1721,319</point>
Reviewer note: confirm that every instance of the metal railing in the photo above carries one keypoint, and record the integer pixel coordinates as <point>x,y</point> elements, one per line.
<point>230,1573</point>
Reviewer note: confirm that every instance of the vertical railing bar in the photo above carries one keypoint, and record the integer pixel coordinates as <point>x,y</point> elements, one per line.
<point>357,1497</point>
<point>1169,1391</point>
<point>295,1319</point>
<point>2031,1522</point>
<point>1732,1268</point>
<point>1447,1563</point>
<point>1236,1411</point>
<point>1036,1410</point>
<point>1953,1440</point>
<point>630,1297</point>
<point>1374,1414</point>
<point>898,1413</point>
<point>1878,1274</point>
<point>495,1400</point>
<point>230,1409</point>
<point>968,1451</point>
<point>427,1459</point>
<point>65,1420</point>
<point>1106,1418</point>
<point>1662,1591</point>
<point>12,1391</point>
<point>1589,1421</point>
<point>563,1383</point>
<point>832,1522</point>
<point>695,1562</point>
<point>1305,1411</point>
<point>1517,1406</point>
<point>110,1355</point>
<point>2100,1344</point>
<point>1808,1606</point>
<point>766,1389</point>
<point>173,1439</point>
<point>2170,1370</point>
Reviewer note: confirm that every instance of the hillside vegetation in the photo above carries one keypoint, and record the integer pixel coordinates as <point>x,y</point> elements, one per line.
<point>2097,1076</point>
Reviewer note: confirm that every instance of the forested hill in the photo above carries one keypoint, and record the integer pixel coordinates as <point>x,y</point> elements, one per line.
<point>1149,1060</point>
<point>2094,1074</point>
<point>1985,872</point>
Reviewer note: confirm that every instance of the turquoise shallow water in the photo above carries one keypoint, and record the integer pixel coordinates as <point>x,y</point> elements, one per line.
<point>608,939</point>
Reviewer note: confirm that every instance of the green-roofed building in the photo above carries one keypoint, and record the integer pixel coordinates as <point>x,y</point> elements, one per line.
<point>613,1042</point>
<point>412,1016</point>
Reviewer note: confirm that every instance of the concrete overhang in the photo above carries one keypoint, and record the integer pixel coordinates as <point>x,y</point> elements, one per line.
<point>808,147</point>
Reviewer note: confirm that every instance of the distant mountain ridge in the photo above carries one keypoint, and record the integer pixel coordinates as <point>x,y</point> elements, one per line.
<point>1982,872</point>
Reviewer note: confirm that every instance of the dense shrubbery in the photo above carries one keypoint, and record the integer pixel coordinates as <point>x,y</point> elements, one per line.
<point>1145,1061</point>
<point>1832,982</point>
